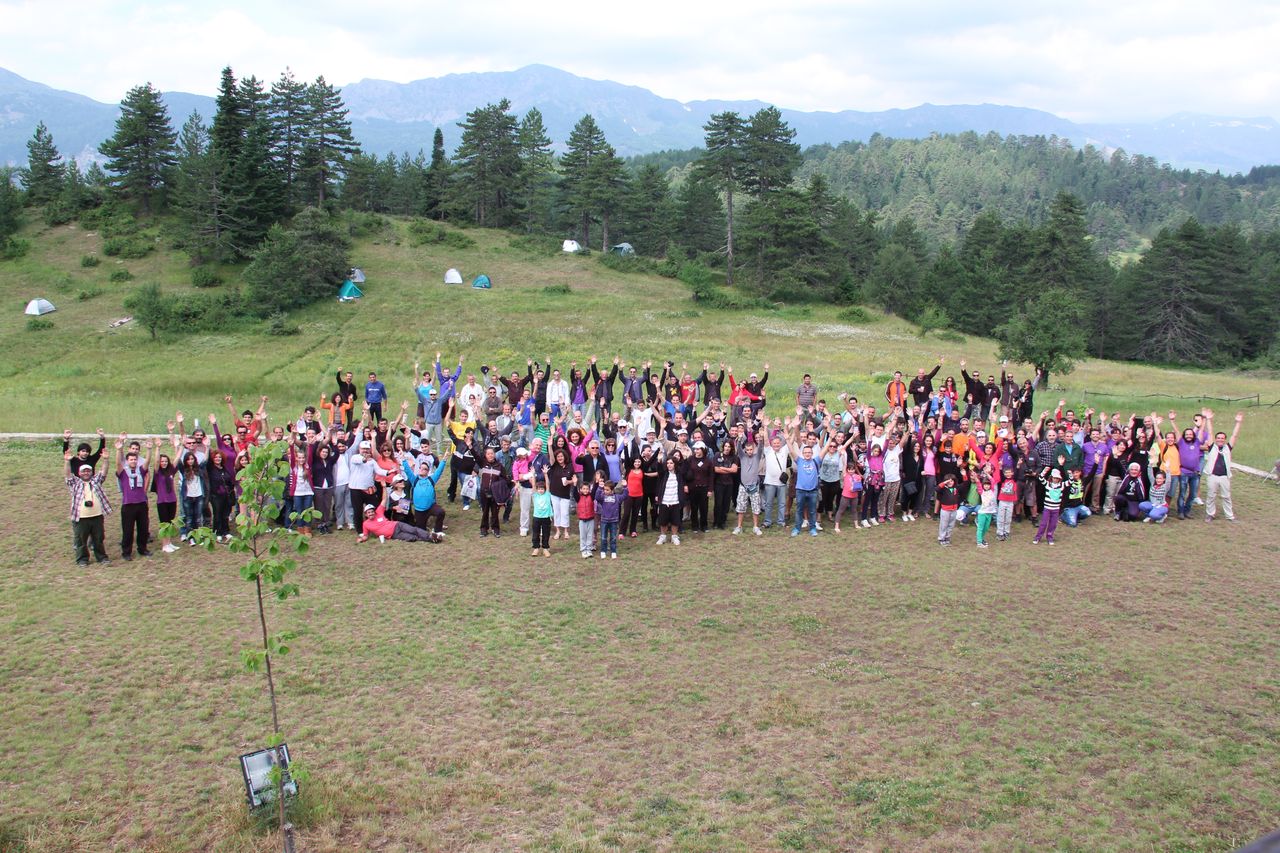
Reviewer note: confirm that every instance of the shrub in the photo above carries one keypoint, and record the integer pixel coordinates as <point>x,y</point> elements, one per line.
<point>59,212</point>
<point>90,261</point>
<point>188,312</point>
<point>951,337</point>
<point>298,265</point>
<point>205,277</point>
<point>12,248</point>
<point>628,263</point>
<point>702,281</point>
<point>856,314</point>
<point>278,324</point>
<point>39,324</point>
<point>932,318</point>
<point>120,275</point>
<point>86,295</point>
<point>537,244</point>
<point>366,224</point>
<point>557,290</point>
<point>131,248</point>
<point>667,268</point>
<point>423,232</point>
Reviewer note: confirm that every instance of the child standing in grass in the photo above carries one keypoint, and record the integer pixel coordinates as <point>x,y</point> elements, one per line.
<point>586,520</point>
<point>608,508</point>
<point>948,503</point>
<point>986,510</point>
<point>1007,499</point>
<point>542,512</point>
<point>1053,494</point>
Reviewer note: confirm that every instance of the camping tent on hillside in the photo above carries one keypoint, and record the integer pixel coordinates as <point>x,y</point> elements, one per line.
<point>36,307</point>
<point>622,249</point>
<point>452,276</point>
<point>357,275</point>
<point>348,291</point>
<point>571,246</point>
<point>482,282</point>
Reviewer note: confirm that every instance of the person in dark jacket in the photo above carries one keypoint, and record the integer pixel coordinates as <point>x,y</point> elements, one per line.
<point>672,492</point>
<point>602,392</point>
<point>712,384</point>
<point>699,475</point>
<point>921,388</point>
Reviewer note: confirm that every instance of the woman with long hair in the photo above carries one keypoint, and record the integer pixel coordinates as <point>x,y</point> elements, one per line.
<point>166,498</point>
<point>563,484</point>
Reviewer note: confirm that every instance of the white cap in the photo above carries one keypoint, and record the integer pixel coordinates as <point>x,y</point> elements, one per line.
<point>366,445</point>
<point>522,451</point>
<point>84,468</point>
<point>1055,473</point>
<point>1004,419</point>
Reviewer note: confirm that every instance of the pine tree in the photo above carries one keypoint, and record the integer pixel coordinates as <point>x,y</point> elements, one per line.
<point>10,205</point>
<point>329,142</point>
<point>723,167</point>
<point>771,154</point>
<point>141,152</point>
<point>650,212</point>
<point>487,162</point>
<point>436,181</point>
<point>536,187</point>
<point>230,119</point>
<point>700,217</point>
<point>199,197</point>
<point>288,111</point>
<point>42,178</point>
<point>586,143</point>
<point>607,189</point>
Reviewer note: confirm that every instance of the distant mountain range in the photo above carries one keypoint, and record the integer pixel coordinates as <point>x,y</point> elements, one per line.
<point>395,117</point>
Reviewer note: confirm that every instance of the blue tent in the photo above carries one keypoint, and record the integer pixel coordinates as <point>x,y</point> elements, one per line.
<point>349,291</point>
<point>482,282</point>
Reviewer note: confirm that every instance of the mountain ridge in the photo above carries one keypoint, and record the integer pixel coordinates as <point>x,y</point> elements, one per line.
<point>390,117</point>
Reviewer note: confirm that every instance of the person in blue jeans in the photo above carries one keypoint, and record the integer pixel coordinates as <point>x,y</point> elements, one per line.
<point>806,474</point>
<point>375,394</point>
<point>1074,508</point>
<point>776,462</point>
<point>1156,506</point>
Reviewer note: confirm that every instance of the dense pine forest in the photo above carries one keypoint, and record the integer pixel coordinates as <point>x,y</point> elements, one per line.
<point>1057,252</point>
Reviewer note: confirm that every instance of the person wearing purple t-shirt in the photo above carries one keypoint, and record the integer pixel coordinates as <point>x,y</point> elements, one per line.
<point>1190,454</point>
<point>1094,471</point>
<point>134,507</point>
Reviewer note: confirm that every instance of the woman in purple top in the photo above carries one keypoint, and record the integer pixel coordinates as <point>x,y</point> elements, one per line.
<point>166,497</point>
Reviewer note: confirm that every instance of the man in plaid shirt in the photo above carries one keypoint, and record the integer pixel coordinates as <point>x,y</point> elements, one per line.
<point>89,508</point>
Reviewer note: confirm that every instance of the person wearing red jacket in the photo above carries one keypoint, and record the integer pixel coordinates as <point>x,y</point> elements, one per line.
<point>377,524</point>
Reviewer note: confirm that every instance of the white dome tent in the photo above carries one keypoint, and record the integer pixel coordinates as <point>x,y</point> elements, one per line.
<point>37,307</point>
<point>452,276</point>
<point>571,246</point>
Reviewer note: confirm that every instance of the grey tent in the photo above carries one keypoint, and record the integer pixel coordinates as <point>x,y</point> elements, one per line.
<point>357,275</point>
<point>452,276</point>
<point>622,249</point>
<point>36,307</point>
<point>571,246</point>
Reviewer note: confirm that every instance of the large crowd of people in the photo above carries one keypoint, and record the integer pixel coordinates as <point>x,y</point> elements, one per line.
<point>631,449</point>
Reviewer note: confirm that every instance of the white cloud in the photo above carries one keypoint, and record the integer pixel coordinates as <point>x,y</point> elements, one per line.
<point>1091,60</point>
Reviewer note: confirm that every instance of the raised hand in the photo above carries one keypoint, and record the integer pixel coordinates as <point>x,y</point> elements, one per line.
<point>170,425</point>
<point>213,420</point>
<point>181,417</point>
<point>227,399</point>
<point>66,434</point>
<point>1239,417</point>
<point>102,433</point>
<point>1173,416</point>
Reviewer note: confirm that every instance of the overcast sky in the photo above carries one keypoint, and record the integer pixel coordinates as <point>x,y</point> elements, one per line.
<point>1087,60</point>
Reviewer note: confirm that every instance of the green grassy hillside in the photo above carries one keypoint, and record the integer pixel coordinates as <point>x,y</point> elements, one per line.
<point>82,374</point>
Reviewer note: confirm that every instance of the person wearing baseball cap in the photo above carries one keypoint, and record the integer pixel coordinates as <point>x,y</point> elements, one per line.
<point>89,508</point>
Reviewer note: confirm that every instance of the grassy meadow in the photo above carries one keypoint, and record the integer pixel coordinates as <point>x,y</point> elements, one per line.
<point>81,374</point>
<point>1118,691</point>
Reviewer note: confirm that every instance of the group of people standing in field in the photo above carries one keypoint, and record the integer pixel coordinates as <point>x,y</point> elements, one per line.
<point>625,449</point>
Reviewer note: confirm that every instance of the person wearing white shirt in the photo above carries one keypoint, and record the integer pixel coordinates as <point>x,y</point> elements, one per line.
<point>341,488</point>
<point>892,476</point>
<point>777,459</point>
<point>557,394</point>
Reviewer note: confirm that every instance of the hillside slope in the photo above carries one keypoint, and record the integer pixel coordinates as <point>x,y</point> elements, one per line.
<point>81,374</point>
